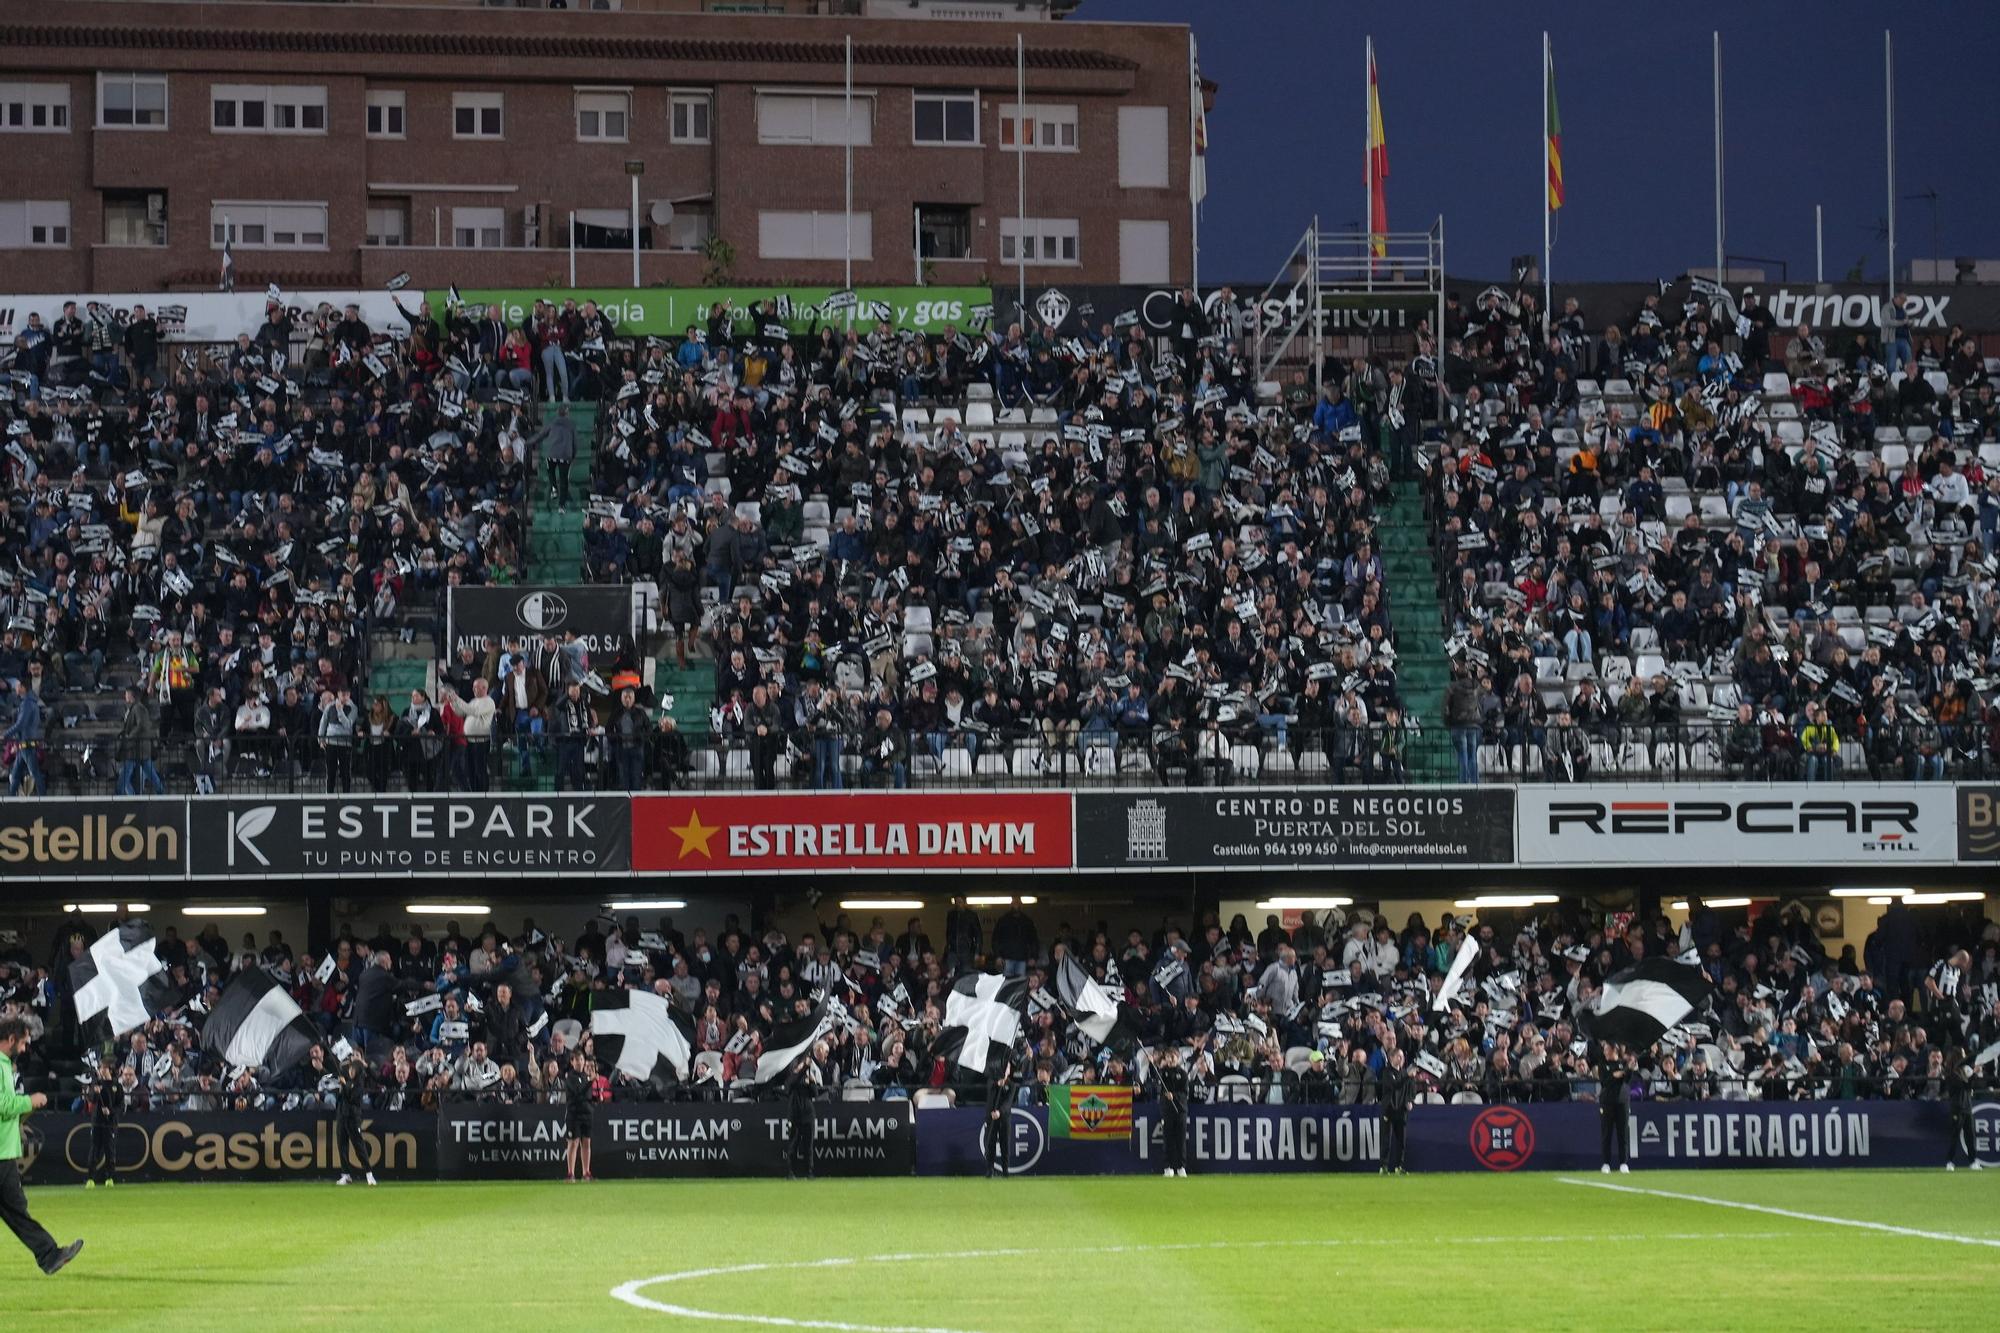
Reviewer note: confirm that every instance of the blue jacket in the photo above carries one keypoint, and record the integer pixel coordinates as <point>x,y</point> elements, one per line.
<point>27,724</point>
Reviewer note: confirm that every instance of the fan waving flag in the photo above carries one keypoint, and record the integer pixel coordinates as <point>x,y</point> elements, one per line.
<point>1555,133</point>
<point>1378,165</point>
<point>257,1024</point>
<point>120,983</point>
<point>1646,999</point>
<point>1467,951</point>
<point>1090,1006</point>
<point>636,1032</point>
<point>791,1039</point>
<point>982,1020</point>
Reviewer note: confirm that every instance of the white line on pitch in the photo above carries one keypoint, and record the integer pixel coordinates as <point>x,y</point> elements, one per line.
<point>1918,1232</point>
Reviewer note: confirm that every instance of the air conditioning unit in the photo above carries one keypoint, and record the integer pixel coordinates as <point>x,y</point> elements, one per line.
<point>531,226</point>
<point>156,208</point>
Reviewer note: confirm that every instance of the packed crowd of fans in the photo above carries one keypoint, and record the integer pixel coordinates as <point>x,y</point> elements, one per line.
<point>1693,542</point>
<point>219,528</point>
<point>1300,1015</point>
<point>1683,537</point>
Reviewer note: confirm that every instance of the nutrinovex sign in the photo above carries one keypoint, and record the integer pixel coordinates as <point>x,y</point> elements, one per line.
<point>1327,826</point>
<point>108,839</point>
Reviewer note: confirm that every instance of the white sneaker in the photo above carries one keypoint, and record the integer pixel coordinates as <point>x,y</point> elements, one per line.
<point>1624,1170</point>
<point>345,1179</point>
<point>1606,1168</point>
<point>1168,1172</point>
<point>1976,1166</point>
<point>1950,1167</point>
<point>1182,1173</point>
<point>371,1177</point>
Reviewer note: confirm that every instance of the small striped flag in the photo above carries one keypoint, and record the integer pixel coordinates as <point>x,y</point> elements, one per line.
<point>1555,133</point>
<point>1083,1111</point>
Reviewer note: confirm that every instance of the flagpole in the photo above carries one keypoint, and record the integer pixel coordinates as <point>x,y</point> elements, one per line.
<point>1548,283</point>
<point>1368,155</point>
<point>1717,37</point>
<point>847,135</point>
<point>1194,204</point>
<point>1889,127</point>
<point>1020,176</point>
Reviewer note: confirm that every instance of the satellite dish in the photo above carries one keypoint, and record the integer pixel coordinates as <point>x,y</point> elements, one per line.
<point>662,212</point>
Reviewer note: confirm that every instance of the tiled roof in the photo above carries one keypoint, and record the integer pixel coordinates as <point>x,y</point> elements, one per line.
<point>501,45</point>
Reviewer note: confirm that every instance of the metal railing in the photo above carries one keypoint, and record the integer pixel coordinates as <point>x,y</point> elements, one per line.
<point>1048,757</point>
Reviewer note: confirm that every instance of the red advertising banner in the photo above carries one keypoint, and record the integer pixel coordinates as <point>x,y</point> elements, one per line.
<point>852,831</point>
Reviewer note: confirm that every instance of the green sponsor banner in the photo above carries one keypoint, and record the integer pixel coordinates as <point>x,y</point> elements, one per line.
<point>669,310</point>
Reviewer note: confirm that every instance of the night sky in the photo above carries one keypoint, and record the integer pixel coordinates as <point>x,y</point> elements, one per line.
<point>1462,102</point>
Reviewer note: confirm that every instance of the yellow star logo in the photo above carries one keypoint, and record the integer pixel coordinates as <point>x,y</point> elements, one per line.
<point>694,835</point>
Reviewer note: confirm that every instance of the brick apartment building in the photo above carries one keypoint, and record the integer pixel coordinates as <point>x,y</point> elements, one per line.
<point>344,144</point>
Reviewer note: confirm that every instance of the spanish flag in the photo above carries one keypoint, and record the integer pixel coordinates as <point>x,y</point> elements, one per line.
<point>1555,133</point>
<point>1378,165</point>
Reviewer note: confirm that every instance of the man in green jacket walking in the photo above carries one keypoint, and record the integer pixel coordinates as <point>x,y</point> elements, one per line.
<point>13,1199</point>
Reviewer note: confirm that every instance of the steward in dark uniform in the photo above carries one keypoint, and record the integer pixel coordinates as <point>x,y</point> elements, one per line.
<point>1174,1112</point>
<point>999,1129</point>
<point>1396,1091</point>
<point>1614,1097</point>
<point>107,1099</point>
<point>353,1076</point>
<point>801,1086</point>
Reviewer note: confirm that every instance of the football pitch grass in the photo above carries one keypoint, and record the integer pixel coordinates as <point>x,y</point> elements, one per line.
<point>1875,1249</point>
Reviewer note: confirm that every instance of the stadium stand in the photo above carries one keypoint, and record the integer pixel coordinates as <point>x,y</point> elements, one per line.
<point>1694,545</point>
<point>1278,1016</point>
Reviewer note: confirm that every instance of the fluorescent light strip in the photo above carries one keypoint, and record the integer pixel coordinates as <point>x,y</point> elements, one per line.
<point>138,907</point>
<point>1279,904</point>
<point>999,900</point>
<point>1870,893</point>
<point>1509,900</point>
<point>446,909</point>
<point>1682,906</point>
<point>882,904</point>
<point>222,909</point>
<point>647,905</point>
<point>1955,896</point>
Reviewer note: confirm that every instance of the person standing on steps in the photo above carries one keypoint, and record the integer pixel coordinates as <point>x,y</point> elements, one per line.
<point>1397,1091</point>
<point>557,441</point>
<point>49,1256</point>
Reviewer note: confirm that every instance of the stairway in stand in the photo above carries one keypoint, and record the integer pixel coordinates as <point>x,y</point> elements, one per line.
<point>1423,671</point>
<point>555,544</point>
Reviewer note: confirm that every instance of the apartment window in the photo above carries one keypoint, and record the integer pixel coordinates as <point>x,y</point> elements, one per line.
<point>478,228</point>
<point>135,217</point>
<point>815,118</point>
<point>602,117</point>
<point>34,224</point>
<point>813,235</point>
<point>34,108</point>
<point>388,222</point>
<point>248,108</point>
<point>132,101</point>
<point>689,117</point>
<point>1038,240</point>
<point>476,115</point>
<point>944,231</point>
<point>385,113</point>
<point>692,225</point>
<point>1042,129</point>
<point>268,226</point>
<point>1142,147</point>
<point>945,118</point>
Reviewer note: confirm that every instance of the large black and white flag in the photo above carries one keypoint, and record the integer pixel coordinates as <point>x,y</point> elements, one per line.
<point>982,1021</point>
<point>791,1039</point>
<point>120,983</point>
<point>257,1024</point>
<point>636,1031</point>
<point>1646,999</point>
<point>1467,951</point>
<point>1091,1007</point>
